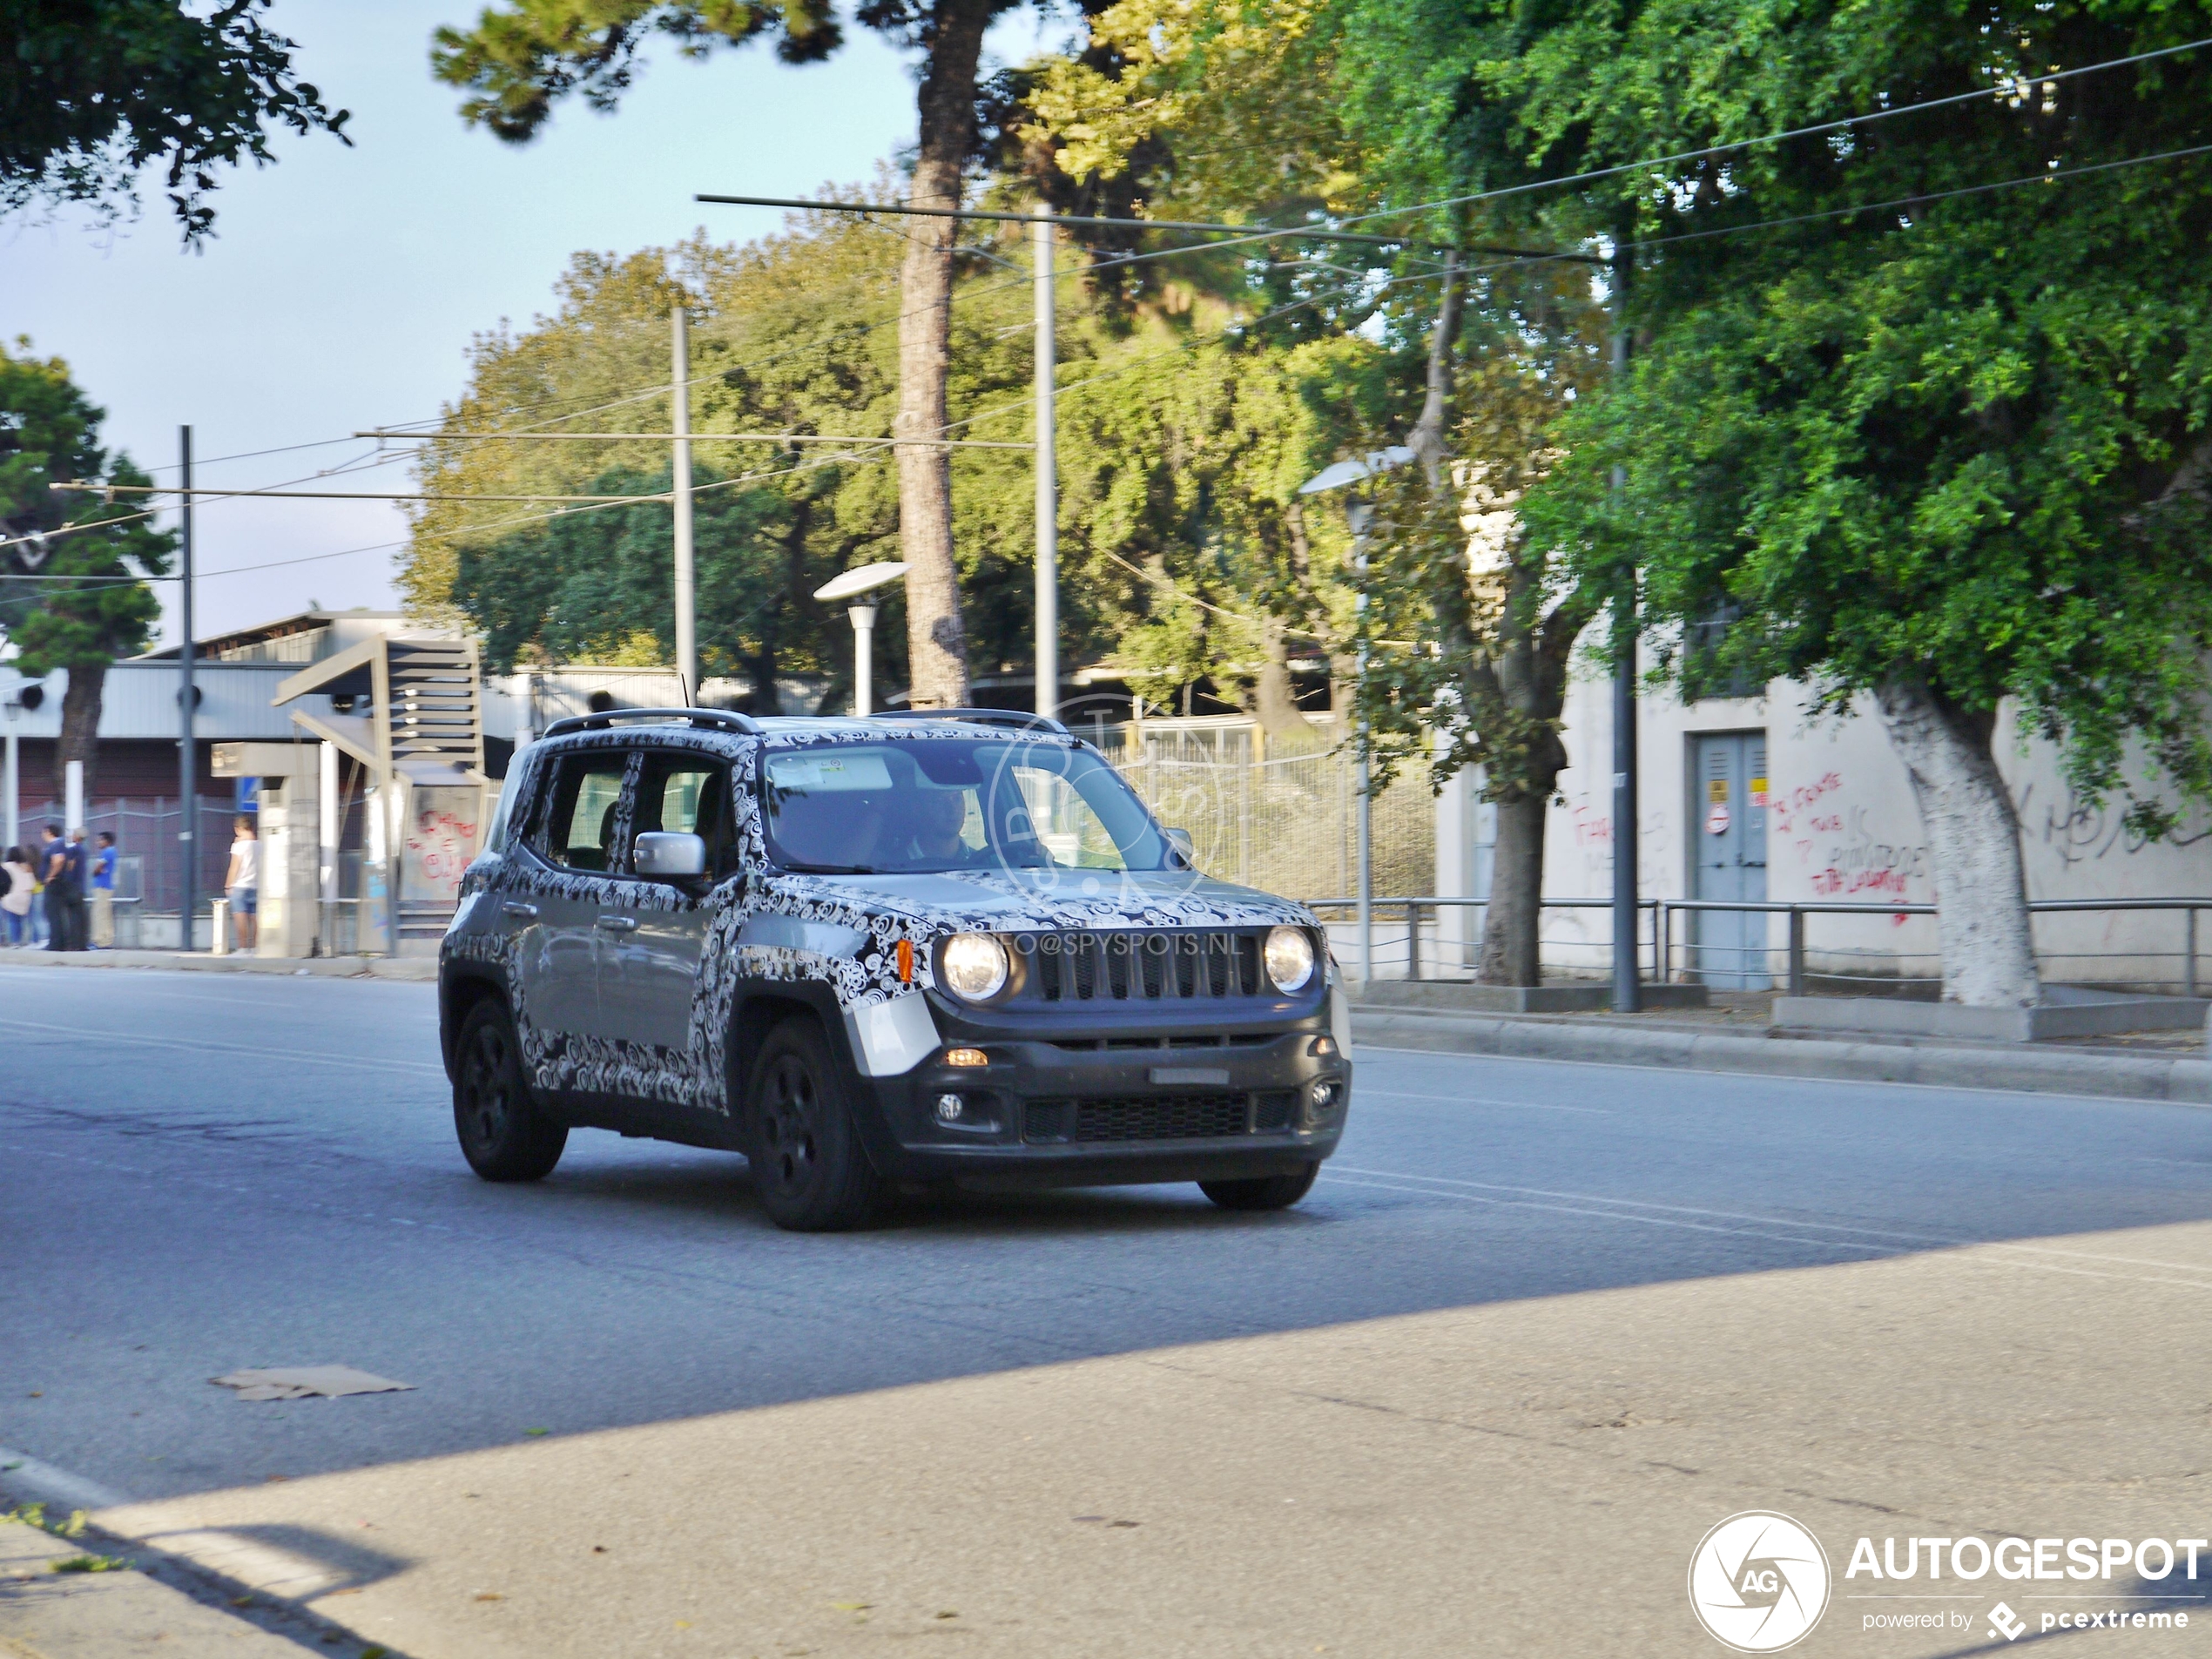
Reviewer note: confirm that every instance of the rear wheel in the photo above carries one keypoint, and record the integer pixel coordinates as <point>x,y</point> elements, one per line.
<point>1266,1192</point>
<point>808,1165</point>
<point>504,1135</point>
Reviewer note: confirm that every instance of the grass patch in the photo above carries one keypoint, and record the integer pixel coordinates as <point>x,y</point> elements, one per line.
<point>92,1564</point>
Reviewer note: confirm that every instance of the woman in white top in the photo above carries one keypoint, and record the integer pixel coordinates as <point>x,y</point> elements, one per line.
<point>244,881</point>
<point>15,905</point>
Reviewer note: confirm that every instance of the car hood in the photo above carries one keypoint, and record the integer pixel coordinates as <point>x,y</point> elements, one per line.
<point>1017,900</point>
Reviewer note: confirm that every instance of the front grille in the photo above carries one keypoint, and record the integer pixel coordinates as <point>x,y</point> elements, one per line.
<point>1154,966</point>
<point>1156,1117</point>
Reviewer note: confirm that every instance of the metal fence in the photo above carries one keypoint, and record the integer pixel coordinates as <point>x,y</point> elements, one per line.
<point>1407,945</point>
<point>146,830</point>
<point>1273,816</point>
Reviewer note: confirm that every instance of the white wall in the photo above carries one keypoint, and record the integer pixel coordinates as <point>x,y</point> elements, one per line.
<point>1842,825</point>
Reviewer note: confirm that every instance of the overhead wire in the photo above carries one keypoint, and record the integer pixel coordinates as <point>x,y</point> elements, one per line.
<point>2015,87</point>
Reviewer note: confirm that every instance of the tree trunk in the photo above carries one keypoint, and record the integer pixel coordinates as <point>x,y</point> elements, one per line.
<point>1511,924</point>
<point>1274,699</point>
<point>936,642</point>
<point>1427,439</point>
<point>1973,843</point>
<point>80,729</point>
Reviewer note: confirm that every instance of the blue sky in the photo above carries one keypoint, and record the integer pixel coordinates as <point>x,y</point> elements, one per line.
<point>343,285</point>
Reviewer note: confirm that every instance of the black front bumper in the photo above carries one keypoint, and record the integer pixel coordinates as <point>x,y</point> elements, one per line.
<point>1101,1105</point>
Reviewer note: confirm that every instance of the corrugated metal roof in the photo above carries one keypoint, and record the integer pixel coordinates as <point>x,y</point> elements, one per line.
<point>140,700</point>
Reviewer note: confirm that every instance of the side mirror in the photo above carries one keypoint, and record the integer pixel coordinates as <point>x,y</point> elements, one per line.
<point>1181,842</point>
<point>663,853</point>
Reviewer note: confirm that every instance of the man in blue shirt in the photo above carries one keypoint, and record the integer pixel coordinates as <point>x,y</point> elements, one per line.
<point>104,893</point>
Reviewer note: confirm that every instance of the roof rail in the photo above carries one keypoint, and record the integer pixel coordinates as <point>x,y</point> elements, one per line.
<point>602,720</point>
<point>1014,717</point>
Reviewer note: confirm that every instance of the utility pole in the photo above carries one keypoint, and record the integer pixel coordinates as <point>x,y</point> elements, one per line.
<point>1361,515</point>
<point>1041,233</point>
<point>1628,990</point>
<point>188,761</point>
<point>687,637</point>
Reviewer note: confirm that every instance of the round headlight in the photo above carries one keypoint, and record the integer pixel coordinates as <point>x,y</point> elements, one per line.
<point>1289,958</point>
<point>974,966</point>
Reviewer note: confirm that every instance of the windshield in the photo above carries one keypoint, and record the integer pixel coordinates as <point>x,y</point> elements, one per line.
<point>930,804</point>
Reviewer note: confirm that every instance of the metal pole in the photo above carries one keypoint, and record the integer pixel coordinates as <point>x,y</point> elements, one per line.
<point>188,761</point>
<point>1627,990</point>
<point>863,618</point>
<point>1360,513</point>
<point>14,783</point>
<point>679,400</point>
<point>1048,478</point>
<point>2189,982</point>
<point>1797,951</point>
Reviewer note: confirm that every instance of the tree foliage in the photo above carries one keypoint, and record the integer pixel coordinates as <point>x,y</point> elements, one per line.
<point>1960,442</point>
<point>94,92</point>
<point>71,592</point>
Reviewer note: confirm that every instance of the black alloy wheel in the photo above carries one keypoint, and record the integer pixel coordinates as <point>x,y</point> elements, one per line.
<point>809,1168</point>
<point>1266,1192</point>
<point>504,1135</point>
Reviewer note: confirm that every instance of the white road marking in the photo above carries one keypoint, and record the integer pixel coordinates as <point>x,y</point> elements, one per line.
<point>1368,1090</point>
<point>196,1045</point>
<point>2048,1258</point>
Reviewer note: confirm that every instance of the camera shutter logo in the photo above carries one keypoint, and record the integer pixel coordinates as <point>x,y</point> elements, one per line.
<point>1758,1582</point>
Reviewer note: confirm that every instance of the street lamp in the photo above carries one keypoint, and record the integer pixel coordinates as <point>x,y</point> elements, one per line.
<point>1358,515</point>
<point>866,578</point>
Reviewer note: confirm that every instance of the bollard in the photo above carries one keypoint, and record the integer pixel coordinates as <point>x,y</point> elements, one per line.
<point>219,943</point>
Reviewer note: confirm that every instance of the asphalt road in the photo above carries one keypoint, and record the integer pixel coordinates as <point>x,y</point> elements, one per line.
<point>1579,1314</point>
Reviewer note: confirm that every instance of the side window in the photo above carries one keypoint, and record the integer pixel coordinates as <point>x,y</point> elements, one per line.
<point>577,830</point>
<point>689,795</point>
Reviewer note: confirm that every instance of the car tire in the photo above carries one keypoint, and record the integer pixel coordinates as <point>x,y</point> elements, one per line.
<point>1266,1192</point>
<point>505,1135</point>
<point>809,1168</point>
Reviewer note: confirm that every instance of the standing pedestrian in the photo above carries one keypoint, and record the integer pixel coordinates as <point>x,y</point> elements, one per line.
<point>64,875</point>
<point>15,907</point>
<point>104,893</point>
<point>244,881</point>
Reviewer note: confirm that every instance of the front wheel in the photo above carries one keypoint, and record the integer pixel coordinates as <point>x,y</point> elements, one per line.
<point>503,1134</point>
<point>1266,1192</point>
<point>808,1165</point>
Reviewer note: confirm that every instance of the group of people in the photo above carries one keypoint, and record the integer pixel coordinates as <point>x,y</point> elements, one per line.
<point>61,894</point>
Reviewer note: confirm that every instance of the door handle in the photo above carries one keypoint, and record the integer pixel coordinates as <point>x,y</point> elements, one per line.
<point>619,924</point>
<point>518,909</point>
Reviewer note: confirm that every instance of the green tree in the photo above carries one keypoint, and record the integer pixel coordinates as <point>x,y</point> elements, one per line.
<point>520,59</point>
<point>1937,451</point>
<point>94,92</point>
<point>71,592</point>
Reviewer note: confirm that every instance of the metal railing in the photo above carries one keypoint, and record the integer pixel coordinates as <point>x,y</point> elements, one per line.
<point>1663,936</point>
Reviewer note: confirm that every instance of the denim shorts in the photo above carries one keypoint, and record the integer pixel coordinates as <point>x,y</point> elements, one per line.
<point>245,902</point>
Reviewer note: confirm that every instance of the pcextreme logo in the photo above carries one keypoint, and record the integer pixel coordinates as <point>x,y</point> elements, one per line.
<point>1759,1581</point>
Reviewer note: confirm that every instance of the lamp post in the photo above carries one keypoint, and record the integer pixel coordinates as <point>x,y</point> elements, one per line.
<point>1358,515</point>
<point>852,585</point>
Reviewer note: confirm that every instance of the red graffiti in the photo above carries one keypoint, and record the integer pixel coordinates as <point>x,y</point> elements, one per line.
<point>1832,881</point>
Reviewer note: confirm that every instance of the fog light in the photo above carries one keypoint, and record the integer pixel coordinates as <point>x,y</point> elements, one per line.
<point>957,1111</point>
<point>1323,1095</point>
<point>966,1057</point>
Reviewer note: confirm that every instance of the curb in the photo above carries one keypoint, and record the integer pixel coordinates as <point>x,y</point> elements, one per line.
<point>422,968</point>
<point>2186,1082</point>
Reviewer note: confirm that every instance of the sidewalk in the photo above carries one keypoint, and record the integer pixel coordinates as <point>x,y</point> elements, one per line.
<point>1733,1035</point>
<point>87,1598</point>
<point>398,968</point>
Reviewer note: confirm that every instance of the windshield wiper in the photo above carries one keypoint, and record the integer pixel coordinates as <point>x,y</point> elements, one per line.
<point>799,866</point>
